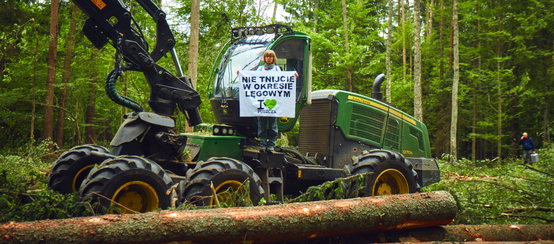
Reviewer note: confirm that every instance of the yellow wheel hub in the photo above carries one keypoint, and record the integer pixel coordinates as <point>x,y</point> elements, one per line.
<point>389,182</point>
<point>79,176</point>
<point>136,196</point>
<point>231,186</point>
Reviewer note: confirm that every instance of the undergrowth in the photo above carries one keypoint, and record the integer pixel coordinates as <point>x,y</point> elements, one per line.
<point>487,192</point>
<point>507,192</point>
<point>23,193</point>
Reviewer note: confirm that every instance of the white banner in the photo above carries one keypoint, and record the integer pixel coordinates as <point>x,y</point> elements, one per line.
<point>267,93</point>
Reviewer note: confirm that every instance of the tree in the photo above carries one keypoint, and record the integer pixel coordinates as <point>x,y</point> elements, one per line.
<point>345,24</point>
<point>418,107</point>
<point>389,47</point>
<point>193,45</point>
<point>50,80</point>
<point>454,120</point>
<point>65,77</point>
<point>91,105</point>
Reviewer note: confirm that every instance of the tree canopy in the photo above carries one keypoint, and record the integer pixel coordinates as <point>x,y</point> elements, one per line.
<point>506,60</point>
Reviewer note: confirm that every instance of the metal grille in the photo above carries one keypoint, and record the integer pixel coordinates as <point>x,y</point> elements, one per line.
<point>366,123</point>
<point>314,128</point>
<point>417,133</point>
<point>392,135</point>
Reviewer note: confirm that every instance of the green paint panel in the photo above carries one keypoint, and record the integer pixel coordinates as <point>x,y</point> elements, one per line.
<point>216,146</point>
<point>372,121</point>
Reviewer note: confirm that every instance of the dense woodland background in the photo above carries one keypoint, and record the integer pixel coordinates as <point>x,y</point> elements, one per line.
<point>505,60</point>
<point>506,65</point>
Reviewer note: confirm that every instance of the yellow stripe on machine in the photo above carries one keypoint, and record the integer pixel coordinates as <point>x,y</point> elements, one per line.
<point>382,107</point>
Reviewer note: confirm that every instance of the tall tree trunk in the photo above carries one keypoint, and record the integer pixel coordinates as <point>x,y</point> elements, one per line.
<point>441,43</point>
<point>546,124</point>
<point>273,223</point>
<point>51,76</point>
<point>418,107</point>
<point>454,121</point>
<point>389,46</point>
<point>275,4</point>
<point>430,23</point>
<point>316,17</point>
<point>91,107</point>
<point>193,46</point>
<point>345,24</point>
<point>451,44</point>
<point>403,43</point>
<point>65,77</point>
<point>474,119</point>
<point>33,90</point>
<point>499,81</point>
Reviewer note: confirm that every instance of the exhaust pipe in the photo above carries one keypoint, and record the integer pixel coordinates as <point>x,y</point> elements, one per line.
<point>377,94</point>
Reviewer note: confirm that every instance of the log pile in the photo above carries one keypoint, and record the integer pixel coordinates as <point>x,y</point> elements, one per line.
<point>276,223</point>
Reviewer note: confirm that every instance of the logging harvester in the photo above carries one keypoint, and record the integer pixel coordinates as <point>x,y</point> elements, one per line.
<point>340,133</point>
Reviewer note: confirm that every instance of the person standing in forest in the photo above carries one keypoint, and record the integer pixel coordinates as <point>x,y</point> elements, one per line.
<point>528,147</point>
<point>268,137</point>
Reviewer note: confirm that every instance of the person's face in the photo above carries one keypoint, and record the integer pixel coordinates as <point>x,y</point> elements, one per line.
<point>269,59</point>
<point>525,135</point>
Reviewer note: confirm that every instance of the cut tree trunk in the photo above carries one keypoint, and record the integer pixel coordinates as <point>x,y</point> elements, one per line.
<point>276,223</point>
<point>453,234</point>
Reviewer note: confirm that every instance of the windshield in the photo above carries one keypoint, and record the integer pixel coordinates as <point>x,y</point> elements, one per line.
<point>245,54</point>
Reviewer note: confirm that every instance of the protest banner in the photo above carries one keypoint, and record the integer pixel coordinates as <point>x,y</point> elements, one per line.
<point>267,93</point>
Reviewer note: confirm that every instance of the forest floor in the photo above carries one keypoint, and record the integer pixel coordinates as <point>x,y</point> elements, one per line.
<point>487,192</point>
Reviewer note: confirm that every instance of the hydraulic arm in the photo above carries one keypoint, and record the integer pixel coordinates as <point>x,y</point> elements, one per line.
<point>110,22</point>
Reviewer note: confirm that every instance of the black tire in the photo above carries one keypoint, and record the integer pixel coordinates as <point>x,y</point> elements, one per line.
<point>223,173</point>
<point>136,183</point>
<point>73,166</point>
<point>392,173</point>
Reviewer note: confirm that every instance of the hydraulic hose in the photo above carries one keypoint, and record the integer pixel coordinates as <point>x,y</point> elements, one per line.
<point>114,96</point>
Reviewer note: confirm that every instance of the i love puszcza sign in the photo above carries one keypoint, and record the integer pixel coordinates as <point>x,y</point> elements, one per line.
<point>267,93</point>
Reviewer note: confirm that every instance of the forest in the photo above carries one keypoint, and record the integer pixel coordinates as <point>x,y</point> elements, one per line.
<point>494,59</point>
<point>505,63</point>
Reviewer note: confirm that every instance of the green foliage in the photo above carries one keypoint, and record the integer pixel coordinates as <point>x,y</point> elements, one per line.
<point>23,193</point>
<point>340,188</point>
<point>488,192</point>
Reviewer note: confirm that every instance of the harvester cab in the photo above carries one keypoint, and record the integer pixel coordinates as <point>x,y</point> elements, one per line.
<point>340,134</point>
<point>244,52</point>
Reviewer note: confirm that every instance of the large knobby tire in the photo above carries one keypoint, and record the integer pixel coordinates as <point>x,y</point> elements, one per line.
<point>223,173</point>
<point>392,174</point>
<point>73,166</point>
<point>131,183</point>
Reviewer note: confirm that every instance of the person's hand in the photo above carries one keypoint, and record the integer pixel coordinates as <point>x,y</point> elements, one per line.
<point>296,74</point>
<point>521,137</point>
<point>238,73</point>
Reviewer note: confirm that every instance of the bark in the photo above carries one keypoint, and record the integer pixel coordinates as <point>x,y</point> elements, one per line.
<point>389,46</point>
<point>345,24</point>
<point>454,120</point>
<point>403,43</point>
<point>316,17</point>
<point>499,81</point>
<point>430,23</point>
<point>453,234</point>
<point>418,107</point>
<point>33,90</point>
<point>276,223</point>
<point>65,77</point>
<point>441,34</point>
<point>51,76</point>
<point>91,107</point>
<point>193,46</point>
<point>275,4</point>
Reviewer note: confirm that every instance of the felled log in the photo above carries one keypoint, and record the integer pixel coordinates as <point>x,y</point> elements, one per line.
<point>452,234</point>
<point>275,223</point>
